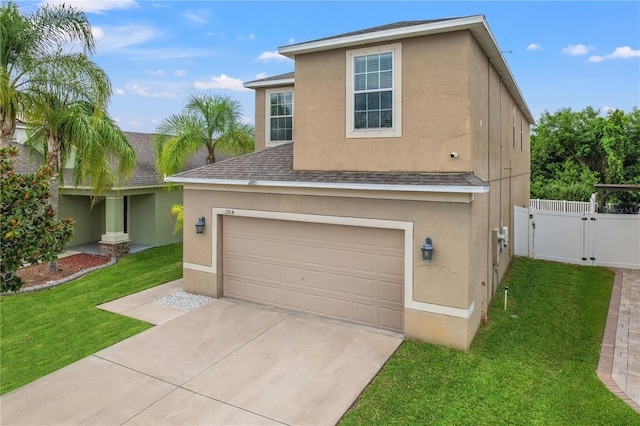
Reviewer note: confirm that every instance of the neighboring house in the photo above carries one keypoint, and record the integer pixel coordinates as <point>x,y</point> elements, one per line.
<point>382,138</point>
<point>136,213</point>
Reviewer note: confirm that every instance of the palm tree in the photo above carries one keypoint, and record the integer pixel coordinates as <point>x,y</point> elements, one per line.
<point>62,95</point>
<point>31,50</point>
<point>207,121</point>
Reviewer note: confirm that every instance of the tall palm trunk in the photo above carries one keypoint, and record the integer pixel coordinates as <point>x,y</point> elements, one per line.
<point>54,185</point>
<point>7,129</point>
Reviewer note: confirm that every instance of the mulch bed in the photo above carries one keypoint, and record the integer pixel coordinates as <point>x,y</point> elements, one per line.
<point>38,274</point>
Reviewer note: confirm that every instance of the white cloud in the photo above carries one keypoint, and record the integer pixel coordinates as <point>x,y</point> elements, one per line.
<point>166,53</point>
<point>156,72</point>
<point>624,52</point>
<point>534,46</point>
<point>154,121</point>
<point>112,38</point>
<point>119,92</point>
<point>292,40</point>
<point>135,123</point>
<point>144,91</point>
<point>223,82</point>
<point>271,56</point>
<point>251,36</point>
<point>200,16</point>
<point>93,6</point>
<point>577,49</point>
<point>261,75</point>
<point>97,33</point>
<point>180,73</point>
<point>117,120</point>
<point>246,120</point>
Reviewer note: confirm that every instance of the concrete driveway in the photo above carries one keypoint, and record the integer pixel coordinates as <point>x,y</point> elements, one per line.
<point>222,363</point>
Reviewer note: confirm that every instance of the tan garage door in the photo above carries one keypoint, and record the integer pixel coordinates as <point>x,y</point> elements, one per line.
<point>349,273</point>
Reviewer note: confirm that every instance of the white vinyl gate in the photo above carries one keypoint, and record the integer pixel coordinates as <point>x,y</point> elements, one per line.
<point>580,238</point>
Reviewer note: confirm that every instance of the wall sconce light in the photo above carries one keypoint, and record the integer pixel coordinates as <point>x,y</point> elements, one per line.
<point>427,249</point>
<point>200,225</point>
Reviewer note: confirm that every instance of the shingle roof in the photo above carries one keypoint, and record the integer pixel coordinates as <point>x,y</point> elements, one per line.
<point>284,76</point>
<point>144,173</point>
<point>276,165</point>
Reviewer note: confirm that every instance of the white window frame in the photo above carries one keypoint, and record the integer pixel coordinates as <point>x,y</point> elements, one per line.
<point>396,130</point>
<point>267,112</point>
<point>521,133</point>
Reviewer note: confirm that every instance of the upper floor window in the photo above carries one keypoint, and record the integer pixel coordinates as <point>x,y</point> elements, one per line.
<point>279,116</point>
<point>374,92</point>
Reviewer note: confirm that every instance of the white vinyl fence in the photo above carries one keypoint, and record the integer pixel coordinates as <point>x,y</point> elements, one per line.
<point>580,238</point>
<point>564,206</point>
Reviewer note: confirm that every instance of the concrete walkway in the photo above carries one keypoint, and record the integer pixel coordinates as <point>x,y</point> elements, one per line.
<point>619,367</point>
<point>224,362</point>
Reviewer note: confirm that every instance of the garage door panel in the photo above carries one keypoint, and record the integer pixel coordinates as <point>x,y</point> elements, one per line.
<point>315,280</point>
<point>291,275</point>
<point>349,273</point>
<point>271,250</point>
<point>314,255</point>
<point>363,262</point>
<point>389,291</point>
<point>364,314</point>
<point>233,287</point>
<point>336,308</point>
<point>364,287</point>
<point>272,272</point>
<point>271,295</point>
<point>314,303</point>
<point>292,252</point>
<point>252,291</point>
<point>338,283</point>
<point>391,265</point>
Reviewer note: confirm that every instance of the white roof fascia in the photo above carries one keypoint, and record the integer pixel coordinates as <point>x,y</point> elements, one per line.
<point>382,35</point>
<point>267,83</point>
<point>326,185</point>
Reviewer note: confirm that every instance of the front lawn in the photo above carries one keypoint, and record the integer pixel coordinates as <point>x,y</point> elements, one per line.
<point>533,364</point>
<point>44,331</point>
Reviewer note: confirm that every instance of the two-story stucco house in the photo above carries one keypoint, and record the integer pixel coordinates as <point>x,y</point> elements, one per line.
<point>381,139</point>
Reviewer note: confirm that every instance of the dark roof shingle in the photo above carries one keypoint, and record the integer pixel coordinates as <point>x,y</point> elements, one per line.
<point>276,165</point>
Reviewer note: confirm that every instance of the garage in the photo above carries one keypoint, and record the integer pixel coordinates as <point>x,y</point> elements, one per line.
<point>349,273</point>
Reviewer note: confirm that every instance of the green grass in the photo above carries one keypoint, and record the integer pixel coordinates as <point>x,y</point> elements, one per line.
<point>533,364</point>
<point>44,331</point>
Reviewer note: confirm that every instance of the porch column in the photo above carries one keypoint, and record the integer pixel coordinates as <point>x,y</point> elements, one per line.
<point>115,242</point>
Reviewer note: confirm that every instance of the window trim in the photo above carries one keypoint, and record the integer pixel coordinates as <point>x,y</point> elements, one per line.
<point>267,112</point>
<point>514,126</point>
<point>396,130</point>
<point>521,133</point>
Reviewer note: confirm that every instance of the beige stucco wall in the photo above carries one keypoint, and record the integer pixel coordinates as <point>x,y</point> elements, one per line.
<point>435,109</point>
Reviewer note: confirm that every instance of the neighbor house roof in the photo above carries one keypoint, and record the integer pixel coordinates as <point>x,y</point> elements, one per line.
<point>477,24</point>
<point>274,167</point>
<point>144,173</point>
<point>276,80</point>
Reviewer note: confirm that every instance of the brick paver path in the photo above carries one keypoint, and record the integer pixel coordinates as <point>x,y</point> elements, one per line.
<point>619,366</point>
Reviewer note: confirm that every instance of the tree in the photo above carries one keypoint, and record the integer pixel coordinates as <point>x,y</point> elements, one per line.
<point>571,151</point>
<point>63,97</point>
<point>29,231</point>
<point>31,54</point>
<point>207,121</point>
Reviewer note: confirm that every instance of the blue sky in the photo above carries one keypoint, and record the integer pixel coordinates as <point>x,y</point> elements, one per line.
<point>562,54</point>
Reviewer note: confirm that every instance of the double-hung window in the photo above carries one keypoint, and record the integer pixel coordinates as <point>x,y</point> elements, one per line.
<point>374,92</point>
<point>279,116</point>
